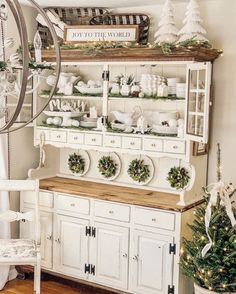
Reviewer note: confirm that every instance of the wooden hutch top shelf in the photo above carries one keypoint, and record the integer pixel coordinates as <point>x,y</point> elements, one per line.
<point>134,54</point>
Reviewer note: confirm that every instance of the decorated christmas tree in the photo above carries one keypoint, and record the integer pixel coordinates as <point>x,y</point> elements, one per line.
<point>167,31</point>
<point>192,24</point>
<point>210,257</point>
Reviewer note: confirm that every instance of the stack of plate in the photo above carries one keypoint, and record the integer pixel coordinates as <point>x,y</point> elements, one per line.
<point>88,122</point>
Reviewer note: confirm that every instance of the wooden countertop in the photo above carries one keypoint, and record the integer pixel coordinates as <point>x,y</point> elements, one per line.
<point>113,193</point>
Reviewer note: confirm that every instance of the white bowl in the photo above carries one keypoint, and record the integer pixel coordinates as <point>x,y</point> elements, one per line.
<point>85,90</point>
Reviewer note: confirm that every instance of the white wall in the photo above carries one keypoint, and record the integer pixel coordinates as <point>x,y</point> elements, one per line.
<point>220,22</point>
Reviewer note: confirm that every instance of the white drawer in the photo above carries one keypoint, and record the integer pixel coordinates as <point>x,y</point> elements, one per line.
<point>73,204</point>
<point>45,198</point>
<point>75,138</point>
<point>154,218</point>
<point>93,139</point>
<point>112,211</point>
<point>174,146</point>
<point>112,141</point>
<point>39,132</point>
<point>153,145</point>
<point>58,136</point>
<point>132,143</point>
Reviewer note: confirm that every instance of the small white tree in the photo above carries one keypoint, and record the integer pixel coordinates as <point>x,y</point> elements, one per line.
<point>167,32</point>
<point>192,24</point>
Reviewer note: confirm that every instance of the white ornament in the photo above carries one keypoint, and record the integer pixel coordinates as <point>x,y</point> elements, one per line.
<point>75,123</point>
<point>37,47</point>
<point>141,95</point>
<point>167,32</point>
<point>192,24</point>
<point>57,121</point>
<point>49,121</point>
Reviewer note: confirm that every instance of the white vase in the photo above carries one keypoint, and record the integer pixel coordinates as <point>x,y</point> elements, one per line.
<point>200,290</point>
<point>115,89</point>
<point>125,90</point>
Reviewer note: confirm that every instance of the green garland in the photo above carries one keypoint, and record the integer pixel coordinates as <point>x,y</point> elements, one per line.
<point>178,177</point>
<point>3,65</point>
<point>76,163</point>
<point>138,170</point>
<point>107,167</point>
<point>167,48</point>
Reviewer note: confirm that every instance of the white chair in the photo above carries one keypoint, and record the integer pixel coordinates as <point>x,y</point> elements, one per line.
<point>22,251</point>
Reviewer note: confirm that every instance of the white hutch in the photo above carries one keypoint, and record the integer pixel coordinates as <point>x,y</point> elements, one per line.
<point>116,233</point>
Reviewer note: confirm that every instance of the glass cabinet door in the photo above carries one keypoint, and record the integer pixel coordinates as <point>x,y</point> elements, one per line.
<point>198,101</point>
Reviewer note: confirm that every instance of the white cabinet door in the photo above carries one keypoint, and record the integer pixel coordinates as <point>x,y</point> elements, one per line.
<point>151,263</point>
<point>70,246</point>
<point>111,255</point>
<point>27,230</point>
<point>198,101</point>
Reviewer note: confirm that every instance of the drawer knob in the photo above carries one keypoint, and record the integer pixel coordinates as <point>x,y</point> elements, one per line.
<point>112,141</point>
<point>111,211</point>
<point>153,145</point>
<point>75,138</point>
<point>175,147</point>
<point>57,240</point>
<point>132,143</point>
<point>72,204</point>
<point>49,237</point>
<point>58,136</point>
<point>93,140</point>
<point>154,220</point>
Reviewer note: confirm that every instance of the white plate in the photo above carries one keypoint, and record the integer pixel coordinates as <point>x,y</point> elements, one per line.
<point>149,162</point>
<point>117,160</point>
<point>88,124</point>
<point>86,157</point>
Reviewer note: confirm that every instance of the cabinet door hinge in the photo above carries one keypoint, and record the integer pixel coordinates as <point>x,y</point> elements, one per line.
<point>87,268</point>
<point>93,233</point>
<point>88,231</point>
<point>105,75</point>
<point>171,289</point>
<point>90,269</point>
<point>172,249</point>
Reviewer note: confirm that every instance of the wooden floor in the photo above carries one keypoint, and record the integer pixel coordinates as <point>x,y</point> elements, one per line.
<point>48,287</point>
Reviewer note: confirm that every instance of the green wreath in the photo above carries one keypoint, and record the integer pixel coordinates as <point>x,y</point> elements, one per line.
<point>76,163</point>
<point>107,166</point>
<point>178,177</point>
<point>138,170</point>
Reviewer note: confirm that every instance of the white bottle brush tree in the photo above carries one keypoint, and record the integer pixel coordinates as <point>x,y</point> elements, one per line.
<point>192,28</point>
<point>167,32</point>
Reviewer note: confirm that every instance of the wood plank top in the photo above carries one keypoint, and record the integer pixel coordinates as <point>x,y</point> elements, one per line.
<point>127,195</point>
<point>133,54</point>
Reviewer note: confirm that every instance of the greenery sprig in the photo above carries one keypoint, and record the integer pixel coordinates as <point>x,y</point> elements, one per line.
<point>107,166</point>
<point>178,177</point>
<point>3,66</point>
<point>76,163</point>
<point>138,170</point>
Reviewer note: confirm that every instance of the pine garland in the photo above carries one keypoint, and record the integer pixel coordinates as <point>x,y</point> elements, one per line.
<point>216,271</point>
<point>167,48</point>
<point>178,177</point>
<point>3,65</point>
<point>107,166</point>
<point>138,170</point>
<point>76,163</point>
